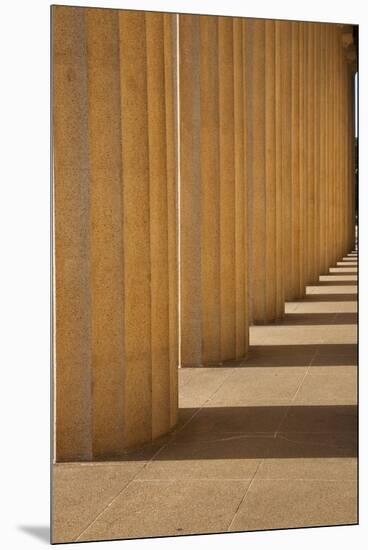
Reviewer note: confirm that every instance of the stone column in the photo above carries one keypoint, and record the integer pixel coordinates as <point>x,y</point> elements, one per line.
<point>302,157</point>
<point>241,241</point>
<point>317,151</point>
<point>279,166</point>
<point>296,210</point>
<point>210,236</point>
<point>270,211</point>
<point>227,188</point>
<point>329,152</point>
<point>213,225</point>
<point>116,344</point>
<point>190,195</point>
<point>312,274</point>
<point>323,54</point>
<point>285,121</point>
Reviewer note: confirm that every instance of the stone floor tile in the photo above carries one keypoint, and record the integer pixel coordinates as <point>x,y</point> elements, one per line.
<point>279,355</point>
<point>327,388</point>
<point>275,504</point>
<point>332,289</point>
<point>234,420</point>
<point>310,456</point>
<point>284,335</point>
<point>254,385</point>
<point>305,334</point>
<point>320,418</point>
<point>350,370</point>
<point>197,385</point>
<point>343,270</point>
<point>297,318</point>
<point>346,318</point>
<point>81,491</point>
<point>346,278</point>
<point>336,354</point>
<point>158,508</point>
<point>320,308</point>
<point>218,456</point>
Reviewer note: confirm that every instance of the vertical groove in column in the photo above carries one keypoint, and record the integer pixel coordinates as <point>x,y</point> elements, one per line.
<point>257,212</point>
<point>240,190</point>
<point>136,229</point>
<point>171,61</point>
<point>334,147</point>
<point>301,158</point>
<point>106,231</point>
<point>340,153</point>
<point>73,373</point>
<point>156,105</point>
<point>210,190</point>
<point>296,258</point>
<point>323,148</point>
<point>306,157</point>
<point>190,170</point>
<point>270,212</point>
<point>329,148</point>
<point>248,32</point>
<point>227,187</point>
<point>285,29</point>
<point>246,171</point>
<point>280,211</point>
<point>311,158</point>
<point>317,151</point>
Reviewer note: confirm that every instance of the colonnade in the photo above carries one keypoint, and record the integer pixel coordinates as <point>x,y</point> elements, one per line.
<point>289,142</point>
<point>192,197</point>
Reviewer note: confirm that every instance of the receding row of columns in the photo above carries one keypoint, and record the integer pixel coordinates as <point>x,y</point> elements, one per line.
<point>257,118</point>
<point>293,179</point>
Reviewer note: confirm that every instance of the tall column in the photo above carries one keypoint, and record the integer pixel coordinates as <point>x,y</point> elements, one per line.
<point>296,252</point>
<point>312,276</point>
<point>227,188</point>
<point>279,166</point>
<point>190,196</point>
<point>323,54</point>
<point>122,217</point>
<point>241,241</point>
<point>270,212</point>
<point>286,168</point>
<point>302,157</point>
<point>318,196</point>
<point>210,259</point>
<point>213,226</point>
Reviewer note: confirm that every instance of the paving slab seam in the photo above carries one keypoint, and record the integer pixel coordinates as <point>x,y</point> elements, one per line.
<point>172,438</point>
<point>296,393</point>
<point>245,495</point>
<point>109,503</point>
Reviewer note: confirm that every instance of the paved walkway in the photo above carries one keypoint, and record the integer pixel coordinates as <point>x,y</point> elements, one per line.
<point>267,444</point>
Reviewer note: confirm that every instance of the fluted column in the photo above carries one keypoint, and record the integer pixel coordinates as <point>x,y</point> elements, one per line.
<point>214,323</point>
<point>270,212</point>
<point>116,344</point>
<point>296,210</point>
